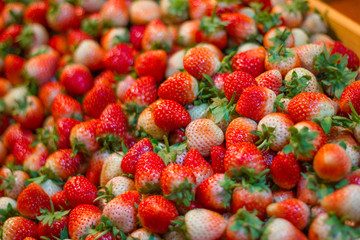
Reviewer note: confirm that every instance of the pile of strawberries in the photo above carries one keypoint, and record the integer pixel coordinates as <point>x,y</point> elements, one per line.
<point>176,119</point>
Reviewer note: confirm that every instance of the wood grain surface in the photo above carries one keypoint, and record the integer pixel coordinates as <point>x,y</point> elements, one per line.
<point>350,8</point>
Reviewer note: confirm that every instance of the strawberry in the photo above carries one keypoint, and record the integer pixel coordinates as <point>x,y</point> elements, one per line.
<point>29,112</point>
<point>271,79</point>
<point>41,68</point>
<point>152,63</point>
<point>12,13</point>
<point>76,36</point>
<point>240,26</point>
<point>131,158</point>
<point>96,100</point>
<point>76,79</point>
<point>59,43</point>
<point>217,159</point>
<point>350,94</point>
<point>199,224</point>
<point>136,35</point>
<point>282,34</point>
<point>113,37</point>
<point>351,145</point>
<point>304,79</point>
<point>308,106</point>
<point>63,129</point>
<point>48,92</point>
<point>332,163</point>
<point>18,228</point>
<point>281,229</point>
<point>37,158</point>
<point>170,115</point>
<point>203,135</point>
<point>307,54</point>
<point>156,213</point>
<point>353,59</point>
<point>304,194</point>
<point>201,60</point>
<point>243,155</point>
<point>293,210</point>
<point>180,87</point>
<point>282,195</point>
<point>96,164</point>
<point>32,35</point>
<point>273,131</point>
<point>156,36</point>
<point>60,202</point>
<point>90,54</point>
<point>31,200</point>
<point>178,184</point>
<point>143,12</point>
<point>236,82</point>
<point>82,217</point>
<point>116,186</point>
<point>262,98</point>
<point>285,170</point>
<point>79,190</point>
<point>35,12</point>
<point>65,106</point>
<point>63,163</point>
<point>187,32</point>
<point>198,8</point>
<point>122,211</point>
<point>15,133</point>
<point>9,36</point>
<point>144,233</point>
<point>198,165</point>
<point>83,137</point>
<point>120,58</point>
<point>148,173</point>
<point>354,177</point>
<point>12,182</point>
<point>239,130</point>
<point>251,61</point>
<point>142,92</point>
<point>5,86</point>
<point>52,223</point>
<point>13,65</point>
<point>115,12</point>
<point>62,16</point>
<point>282,59</point>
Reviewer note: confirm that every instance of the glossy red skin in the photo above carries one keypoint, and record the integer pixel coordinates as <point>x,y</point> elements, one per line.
<point>177,136</point>
<point>350,93</point>
<point>63,164</point>
<point>251,61</point>
<point>33,115</point>
<point>11,32</point>
<point>240,26</point>
<point>156,213</point>
<point>121,58</point>
<point>136,35</point>
<point>19,228</point>
<point>152,63</point>
<point>76,79</point>
<point>218,38</point>
<point>285,170</point>
<point>36,13</point>
<point>198,165</point>
<point>128,164</point>
<point>112,121</point>
<point>142,92</point>
<point>14,134</point>
<point>55,229</point>
<point>237,82</point>
<point>48,92</point>
<point>75,37</point>
<point>13,66</point>
<point>96,164</point>
<point>63,129</point>
<point>79,190</point>
<point>198,61</point>
<point>354,177</point>
<point>65,106</point>
<point>173,175</point>
<point>353,59</point>
<point>60,202</point>
<point>217,159</point>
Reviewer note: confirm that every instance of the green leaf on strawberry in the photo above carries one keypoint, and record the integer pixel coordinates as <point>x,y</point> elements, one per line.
<point>300,142</point>
<point>178,7</point>
<point>183,193</point>
<point>228,186</point>
<point>91,26</point>
<point>49,217</point>
<point>339,229</point>
<point>297,5</point>
<point>26,37</point>
<point>265,17</point>
<point>295,86</point>
<point>106,194</point>
<point>266,137</point>
<point>9,212</point>
<point>248,222</point>
<point>280,53</point>
<point>47,137</point>
<point>210,25</point>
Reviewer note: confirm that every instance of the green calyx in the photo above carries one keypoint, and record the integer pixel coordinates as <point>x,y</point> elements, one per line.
<point>26,37</point>
<point>104,227</point>
<point>22,106</point>
<point>266,18</point>
<point>280,53</point>
<point>212,24</point>
<point>45,175</point>
<point>266,137</point>
<point>295,86</point>
<point>8,213</point>
<point>338,228</point>
<point>280,37</point>
<point>297,5</point>
<point>49,217</point>
<point>228,186</point>
<point>8,181</point>
<point>183,193</point>
<point>178,7</point>
<point>300,141</point>
<point>107,194</point>
<point>150,188</point>
<point>134,112</point>
<point>248,222</point>
<point>169,153</point>
<point>92,27</point>
<point>110,143</point>
<point>249,179</point>
<point>78,146</point>
<point>47,137</point>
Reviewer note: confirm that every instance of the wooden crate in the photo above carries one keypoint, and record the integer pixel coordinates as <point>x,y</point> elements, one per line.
<point>346,30</point>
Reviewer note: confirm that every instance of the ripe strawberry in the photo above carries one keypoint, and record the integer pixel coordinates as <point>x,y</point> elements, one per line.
<point>13,66</point>
<point>156,36</point>
<point>251,61</point>
<point>76,79</point>
<point>112,122</point>
<point>12,182</point>
<point>63,164</point>
<point>48,92</point>
<point>354,177</point>
<point>201,60</point>
<point>307,54</point>
<point>122,211</point>
<point>290,13</point>
<point>282,195</point>
<point>116,12</point>
<point>79,190</point>
<point>120,58</point>
<point>199,224</point>
<point>217,159</point>
<point>29,113</point>
<point>83,137</point>
<point>350,94</point>
<point>60,202</point>
<point>41,68</point>
<point>152,63</point>
<point>62,16</point>
<point>113,37</point>
<point>136,35</point>
<point>15,133</point>
<point>146,122</point>
<point>76,36</point>
<point>203,135</point>
<point>293,210</point>
<point>32,36</point>
<point>142,92</point>
<point>65,106</point>
<point>148,173</point>
<point>178,184</point>
<point>236,82</point>
<point>239,130</point>
<point>52,223</point>
<point>81,218</point>
<point>63,129</point>
<point>243,155</point>
<point>309,106</point>
<point>281,229</point>
<point>18,228</point>
<point>37,158</point>
<point>9,35</point>
<point>198,8</point>
<point>240,27</point>
<point>256,102</point>
<point>282,59</point>
<point>156,213</point>
<point>96,100</point>
<point>59,43</point>
<point>198,165</point>
<point>35,12</point>
<point>271,79</point>
<point>96,164</point>
<point>351,146</point>
<point>90,54</point>
<point>304,194</point>
<point>353,59</point>
<point>31,200</point>
<point>5,86</point>
<point>285,170</point>
<point>129,162</point>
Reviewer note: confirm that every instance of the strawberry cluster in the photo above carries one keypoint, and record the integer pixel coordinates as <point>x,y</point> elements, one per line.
<point>176,119</point>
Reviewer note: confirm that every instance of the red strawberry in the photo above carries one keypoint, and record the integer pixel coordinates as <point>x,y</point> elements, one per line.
<point>116,12</point>
<point>251,61</point>
<point>96,164</point>
<point>10,34</point>
<point>81,218</point>
<point>198,165</point>
<point>239,130</point>
<point>41,68</point>
<point>48,92</point>
<point>353,59</point>
<point>83,137</point>
<point>52,223</point>
<point>15,133</point>
<point>13,65</point>
<point>148,173</point>
<point>35,12</point>
<point>90,54</point>
<point>217,159</point>
<point>350,94</point>
<point>79,190</point>
<point>156,36</point>
<point>281,229</point>
<point>122,211</point>
<point>62,16</point>
<point>29,113</point>
<point>31,200</point>
<point>120,58</point>
<point>142,92</point>
<point>236,82</point>
<point>282,195</point>
<point>136,35</point>
<point>285,170</point>
<point>129,162</point>
<point>97,99</point>
<point>63,164</point>
<point>354,177</point>
<point>60,202</point>
<point>199,61</point>
<point>152,63</point>
<point>18,228</point>
<point>63,129</point>
<point>76,79</point>
<point>240,27</point>
<point>37,158</point>
<point>293,210</point>
<point>271,79</point>
<point>198,8</point>
<point>75,36</point>
<point>59,43</point>
<point>65,106</point>
<point>156,213</point>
